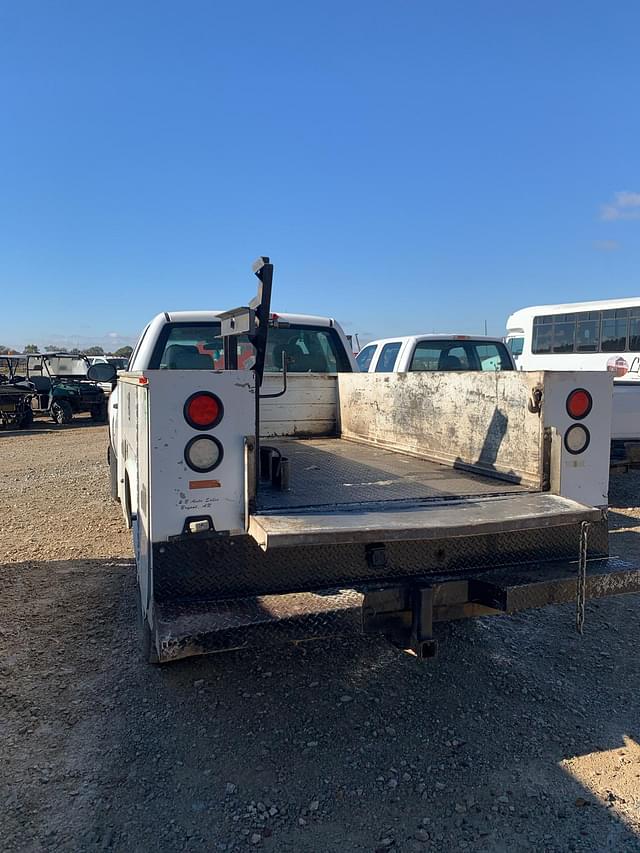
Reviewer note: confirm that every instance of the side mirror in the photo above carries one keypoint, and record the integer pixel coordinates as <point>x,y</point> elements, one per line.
<point>102,373</point>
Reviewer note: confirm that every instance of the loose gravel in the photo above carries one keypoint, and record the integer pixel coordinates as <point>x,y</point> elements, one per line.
<point>521,736</point>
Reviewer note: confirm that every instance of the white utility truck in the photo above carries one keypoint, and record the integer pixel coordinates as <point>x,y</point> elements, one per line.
<point>275,493</point>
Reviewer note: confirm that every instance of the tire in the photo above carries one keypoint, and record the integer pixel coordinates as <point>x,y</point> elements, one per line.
<point>128,514</point>
<point>61,412</point>
<point>113,474</point>
<point>99,413</point>
<point>148,651</point>
<point>27,419</point>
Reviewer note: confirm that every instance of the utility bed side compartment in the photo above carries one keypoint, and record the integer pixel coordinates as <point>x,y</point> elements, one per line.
<point>478,421</point>
<point>582,476</point>
<point>177,492</point>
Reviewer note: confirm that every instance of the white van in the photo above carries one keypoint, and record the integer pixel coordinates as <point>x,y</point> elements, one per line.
<point>600,335</point>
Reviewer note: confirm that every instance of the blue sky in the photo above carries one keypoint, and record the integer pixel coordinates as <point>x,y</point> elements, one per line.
<point>409,166</point>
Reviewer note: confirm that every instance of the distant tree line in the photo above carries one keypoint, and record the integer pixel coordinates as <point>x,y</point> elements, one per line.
<point>123,352</point>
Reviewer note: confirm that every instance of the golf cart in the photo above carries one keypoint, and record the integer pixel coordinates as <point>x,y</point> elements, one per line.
<point>15,397</point>
<point>60,386</point>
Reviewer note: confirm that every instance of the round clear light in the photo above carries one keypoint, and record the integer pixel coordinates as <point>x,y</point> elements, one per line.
<point>576,438</point>
<point>203,453</point>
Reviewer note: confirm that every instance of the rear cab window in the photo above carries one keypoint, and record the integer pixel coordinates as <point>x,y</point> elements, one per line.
<point>306,349</point>
<point>446,355</point>
<point>387,358</point>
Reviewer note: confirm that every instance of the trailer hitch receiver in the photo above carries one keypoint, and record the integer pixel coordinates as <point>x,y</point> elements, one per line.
<point>404,615</point>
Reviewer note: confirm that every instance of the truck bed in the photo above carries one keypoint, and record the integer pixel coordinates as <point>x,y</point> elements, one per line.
<point>335,471</point>
<point>346,492</point>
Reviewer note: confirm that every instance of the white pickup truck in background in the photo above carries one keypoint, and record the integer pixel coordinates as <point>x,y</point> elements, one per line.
<point>434,352</point>
<point>275,493</point>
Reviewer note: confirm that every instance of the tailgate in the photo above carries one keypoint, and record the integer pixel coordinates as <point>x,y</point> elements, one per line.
<point>392,522</point>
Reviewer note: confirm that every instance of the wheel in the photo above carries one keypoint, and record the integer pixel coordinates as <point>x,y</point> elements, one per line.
<point>61,412</point>
<point>99,413</point>
<point>113,474</point>
<point>128,514</point>
<point>148,651</point>
<point>27,419</point>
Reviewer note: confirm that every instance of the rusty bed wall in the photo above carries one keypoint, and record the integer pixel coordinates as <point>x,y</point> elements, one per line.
<point>480,422</point>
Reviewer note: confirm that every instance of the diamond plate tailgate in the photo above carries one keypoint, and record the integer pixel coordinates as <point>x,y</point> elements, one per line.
<point>395,521</point>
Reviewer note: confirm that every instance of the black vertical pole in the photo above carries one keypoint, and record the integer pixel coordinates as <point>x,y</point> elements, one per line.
<point>230,343</point>
<point>262,306</point>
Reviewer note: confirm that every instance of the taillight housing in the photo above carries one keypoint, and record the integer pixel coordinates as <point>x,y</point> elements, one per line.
<point>203,410</point>
<point>579,404</point>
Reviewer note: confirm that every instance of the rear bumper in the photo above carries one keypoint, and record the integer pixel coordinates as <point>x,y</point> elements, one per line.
<point>403,612</point>
<point>235,567</point>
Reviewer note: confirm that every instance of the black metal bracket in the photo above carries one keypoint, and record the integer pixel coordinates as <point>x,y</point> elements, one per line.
<point>421,642</point>
<point>404,615</point>
<point>251,320</point>
<point>376,554</point>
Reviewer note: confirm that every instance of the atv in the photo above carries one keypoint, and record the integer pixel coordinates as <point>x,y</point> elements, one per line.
<point>61,388</point>
<point>15,398</point>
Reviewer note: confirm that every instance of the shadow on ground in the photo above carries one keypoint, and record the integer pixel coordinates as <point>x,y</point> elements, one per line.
<point>339,746</point>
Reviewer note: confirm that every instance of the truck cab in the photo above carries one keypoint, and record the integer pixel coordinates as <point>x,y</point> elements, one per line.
<point>190,340</point>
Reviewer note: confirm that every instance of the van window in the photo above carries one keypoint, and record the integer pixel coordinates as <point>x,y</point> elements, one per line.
<point>542,335</point>
<point>613,331</point>
<point>365,356</point>
<point>634,330</point>
<point>588,332</point>
<point>387,358</point>
<point>516,345</point>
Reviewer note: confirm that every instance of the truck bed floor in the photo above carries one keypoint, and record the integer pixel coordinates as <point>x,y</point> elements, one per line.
<point>329,471</point>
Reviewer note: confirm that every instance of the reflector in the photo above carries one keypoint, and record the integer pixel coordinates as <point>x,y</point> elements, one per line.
<point>203,453</point>
<point>576,439</point>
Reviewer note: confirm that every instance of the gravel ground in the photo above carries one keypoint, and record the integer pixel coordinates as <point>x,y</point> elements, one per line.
<point>521,736</point>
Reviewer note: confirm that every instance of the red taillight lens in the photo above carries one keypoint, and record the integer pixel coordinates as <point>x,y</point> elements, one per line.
<point>579,404</point>
<point>203,410</point>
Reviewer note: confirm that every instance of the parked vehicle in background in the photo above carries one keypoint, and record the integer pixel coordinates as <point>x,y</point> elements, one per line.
<point>600,335</point>
<point>434,352</point>
<point>60,386</point>
<point>275,493</point>
<point>117,361</point>
<point>15,397</point>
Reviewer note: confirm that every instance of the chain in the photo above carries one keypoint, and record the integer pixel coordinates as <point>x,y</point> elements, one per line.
<point>581,585</point>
